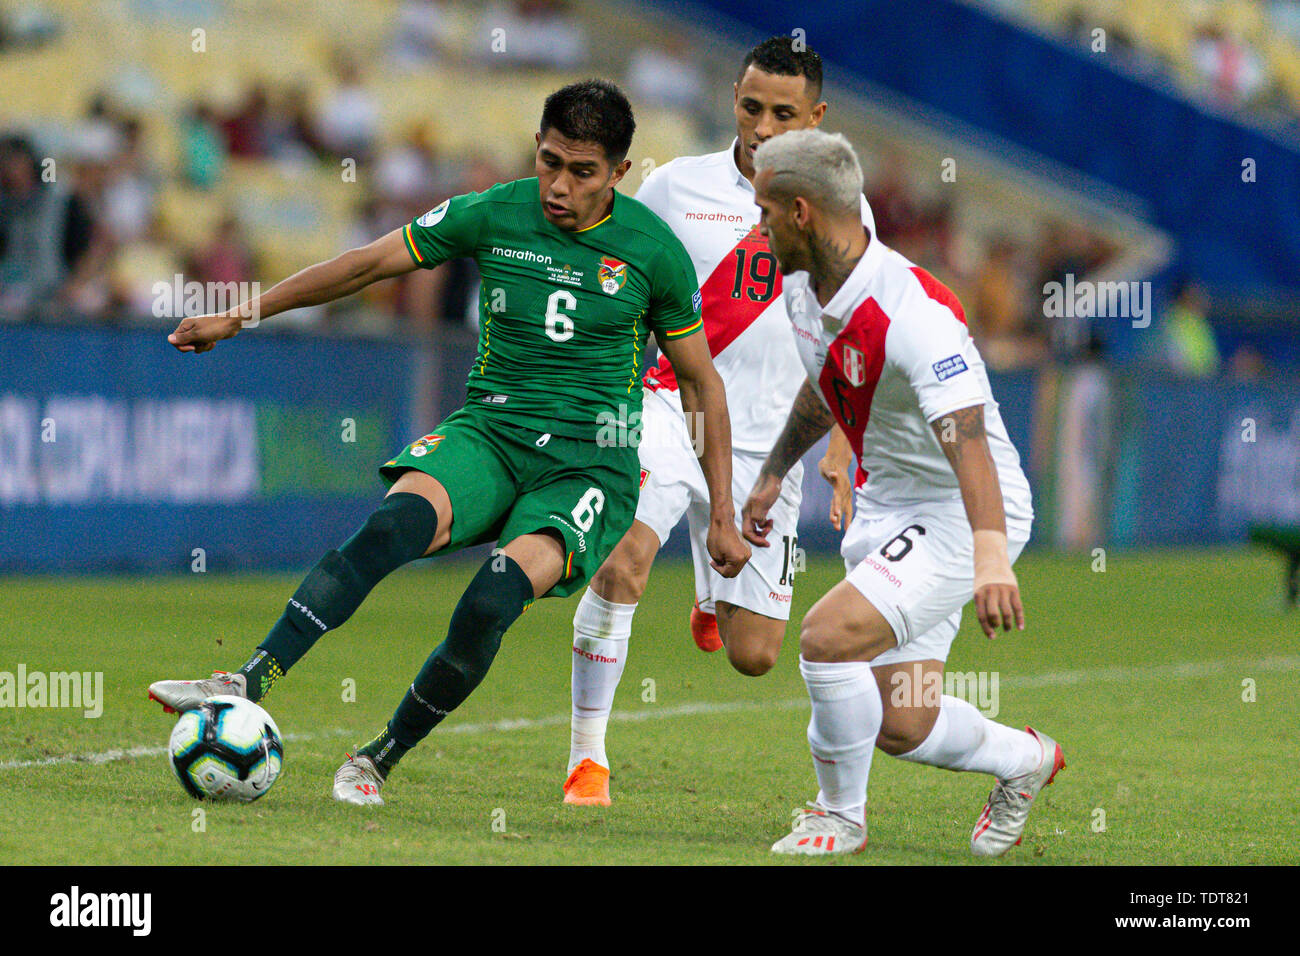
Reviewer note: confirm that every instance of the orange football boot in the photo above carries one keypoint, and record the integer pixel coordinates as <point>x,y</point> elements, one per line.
<point>588,785</point>
<point>704,628</point>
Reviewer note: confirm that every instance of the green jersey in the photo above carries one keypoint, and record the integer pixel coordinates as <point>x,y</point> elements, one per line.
<point>563,316</point>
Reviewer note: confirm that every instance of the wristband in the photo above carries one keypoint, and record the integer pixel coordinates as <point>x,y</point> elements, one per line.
<point>991,563</point>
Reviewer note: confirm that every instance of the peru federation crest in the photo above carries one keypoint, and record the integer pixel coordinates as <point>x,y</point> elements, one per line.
<point>612,274</point>
<point>855,366</point>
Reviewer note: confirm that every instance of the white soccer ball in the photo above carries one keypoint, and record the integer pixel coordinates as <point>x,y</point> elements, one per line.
<point>227,748</point>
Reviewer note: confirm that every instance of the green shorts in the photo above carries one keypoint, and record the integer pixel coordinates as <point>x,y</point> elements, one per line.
<point>507,480</point>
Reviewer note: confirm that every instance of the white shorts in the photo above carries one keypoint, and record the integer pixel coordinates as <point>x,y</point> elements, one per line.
<point>672,485</point>
<point>916,567</point>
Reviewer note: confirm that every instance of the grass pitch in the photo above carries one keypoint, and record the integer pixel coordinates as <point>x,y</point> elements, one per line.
<point>1170,680</point>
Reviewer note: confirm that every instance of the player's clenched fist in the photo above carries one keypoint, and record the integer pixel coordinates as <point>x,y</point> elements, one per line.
<point>200,333</point>
<point>728,553</point>
<point>754,518</point>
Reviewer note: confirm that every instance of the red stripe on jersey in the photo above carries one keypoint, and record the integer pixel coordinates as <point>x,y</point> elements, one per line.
<point>852,370</point>
<point>727,315</point>
<point>940,293</point>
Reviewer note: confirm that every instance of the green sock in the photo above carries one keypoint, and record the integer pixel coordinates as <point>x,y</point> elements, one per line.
<point>385,751</point>
<point>398,531</point>
<point>262,671</point>
<point>499,593</point>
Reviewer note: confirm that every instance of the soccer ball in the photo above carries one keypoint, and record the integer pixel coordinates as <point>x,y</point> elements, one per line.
<point>227,748</point>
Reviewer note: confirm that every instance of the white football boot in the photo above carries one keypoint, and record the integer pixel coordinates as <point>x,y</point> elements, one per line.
<point>358,781</point>
<point>178,696</point>
<point>821,832</point>
<point>1002,824</point>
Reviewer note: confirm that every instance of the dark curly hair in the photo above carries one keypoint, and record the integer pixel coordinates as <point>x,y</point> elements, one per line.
<point>779,56</point>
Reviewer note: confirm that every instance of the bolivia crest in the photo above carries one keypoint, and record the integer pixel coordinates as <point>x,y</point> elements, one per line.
<point>612,274</point>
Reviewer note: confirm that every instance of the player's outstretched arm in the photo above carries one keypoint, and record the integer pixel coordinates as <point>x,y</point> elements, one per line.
<point>963,440</point>
<point>704,400</point>
<point>808,421</point>
<point>322,282</point>
<point>834,467</point>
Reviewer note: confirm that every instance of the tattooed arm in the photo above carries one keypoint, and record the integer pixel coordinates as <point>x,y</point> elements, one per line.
<point>809,420</point>
<point>963,440</point>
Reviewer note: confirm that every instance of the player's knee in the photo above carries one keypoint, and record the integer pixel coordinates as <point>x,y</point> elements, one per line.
<point>820,638</point>
<point>752,641</point>
<point>382,529</point>
<point>752,661</point>
<point>622,577</point>
<point>902,730</point>
<point>399,530</point>
<point>898,737</point>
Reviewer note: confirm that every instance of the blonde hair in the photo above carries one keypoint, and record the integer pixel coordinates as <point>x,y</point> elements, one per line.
<point>821,167</point>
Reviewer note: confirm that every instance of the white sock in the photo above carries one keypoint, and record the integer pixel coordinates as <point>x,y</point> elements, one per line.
<point>600,633</point>
<point>846,715</point>
<point>964,739</point>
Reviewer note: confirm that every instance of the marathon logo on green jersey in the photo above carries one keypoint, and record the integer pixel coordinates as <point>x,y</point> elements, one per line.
<point>523,255</point>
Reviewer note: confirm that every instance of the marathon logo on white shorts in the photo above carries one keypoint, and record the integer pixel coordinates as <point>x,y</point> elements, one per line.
<point>947,368</point>
<point>888,575</point>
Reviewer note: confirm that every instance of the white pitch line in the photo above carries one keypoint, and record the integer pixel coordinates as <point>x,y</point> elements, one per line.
<point>109,756</point>
<point>1188,670</point>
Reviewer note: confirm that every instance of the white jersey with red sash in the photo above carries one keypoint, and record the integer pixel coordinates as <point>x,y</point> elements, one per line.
<point>890,354</point>
<point>709,205</point>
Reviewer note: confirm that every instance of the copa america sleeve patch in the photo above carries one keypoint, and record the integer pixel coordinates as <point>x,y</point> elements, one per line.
<point>697,300</point>
<point>434,215</point>
<point>947,368</point>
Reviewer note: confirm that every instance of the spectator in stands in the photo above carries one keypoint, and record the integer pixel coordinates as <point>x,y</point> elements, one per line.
<point>422,34</point>
<point>1188,338</point>
<point>46,230</point>
<point>898,217</point>
<point>131,185</point>
<point>1248,365</point>
<point>137,268</point>
<point>27,26</point>
<point>1230,69</point>
<point>245,130</point>
<point>540,33</point>
<point>348,122</point>
<point>203,150</point>
<point>225,257</point>
<point>297,140</point>
<point>998,308</point>
<point>1064,259</point>
<point>411,176</point>
<point>667,75</point>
